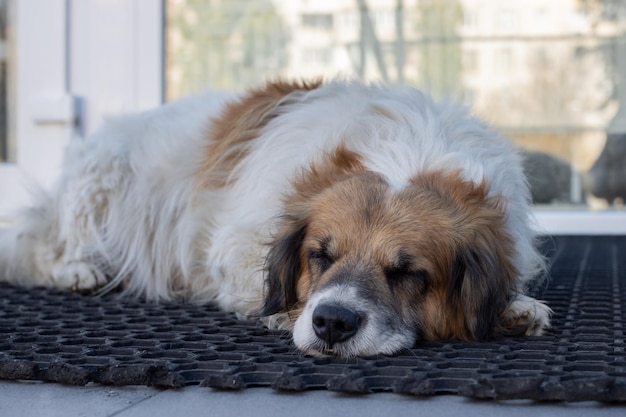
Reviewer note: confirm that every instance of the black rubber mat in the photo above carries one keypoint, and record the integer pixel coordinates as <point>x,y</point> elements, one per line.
<point>72,339</point>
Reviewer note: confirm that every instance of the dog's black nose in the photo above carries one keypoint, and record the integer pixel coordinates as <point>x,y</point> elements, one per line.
<point>335,324</point>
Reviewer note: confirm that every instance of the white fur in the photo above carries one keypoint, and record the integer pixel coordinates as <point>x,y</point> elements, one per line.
<point>525,309</point>
<point>128,204</point>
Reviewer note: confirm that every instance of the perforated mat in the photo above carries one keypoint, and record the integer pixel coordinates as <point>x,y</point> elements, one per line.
<point>53,336</point>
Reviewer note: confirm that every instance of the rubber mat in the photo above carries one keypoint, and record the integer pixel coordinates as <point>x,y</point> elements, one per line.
<point>72,339</point>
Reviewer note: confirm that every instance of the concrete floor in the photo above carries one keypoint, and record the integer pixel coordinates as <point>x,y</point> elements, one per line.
<point>30,399</point>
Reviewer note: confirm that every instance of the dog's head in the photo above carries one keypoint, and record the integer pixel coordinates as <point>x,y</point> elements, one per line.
<point>363,269</point>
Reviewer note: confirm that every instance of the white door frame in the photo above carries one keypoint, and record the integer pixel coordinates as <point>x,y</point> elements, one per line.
<point>117,57</point>
<point>40,79</point>
<point>71,71</point>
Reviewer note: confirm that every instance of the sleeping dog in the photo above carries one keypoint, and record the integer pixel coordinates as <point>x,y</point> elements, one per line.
<point>362,218</point>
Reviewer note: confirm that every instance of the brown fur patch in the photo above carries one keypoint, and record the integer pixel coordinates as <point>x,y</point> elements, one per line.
<point>241,122</point>
<point>287,270</point>
<point>337,165</point>
<point>474,255</point>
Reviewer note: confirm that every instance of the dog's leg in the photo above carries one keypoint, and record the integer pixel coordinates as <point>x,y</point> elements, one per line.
<point>82,209</point>
<point>526,312</point>
<point>52,244</point>
<point>58,241</point>
<point>79,223</point>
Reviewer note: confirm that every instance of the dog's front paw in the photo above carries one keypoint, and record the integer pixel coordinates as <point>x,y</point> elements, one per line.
<point>78,276</point>
<point>529,314</point>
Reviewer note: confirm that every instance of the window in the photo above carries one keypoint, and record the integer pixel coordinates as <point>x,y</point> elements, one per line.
<point>317,21</point>
<point>503,60</point>
<point>540,21</point>
<point>560,97</point>
<point>470,61</point>
<point>350,20</point>
<point>383,20</point>
<point>506,21</point>
<point>469,20</point>
<point>317,56</point>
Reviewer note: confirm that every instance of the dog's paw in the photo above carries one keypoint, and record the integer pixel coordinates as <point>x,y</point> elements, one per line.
<point>526,312</point>
<point>78,277</point>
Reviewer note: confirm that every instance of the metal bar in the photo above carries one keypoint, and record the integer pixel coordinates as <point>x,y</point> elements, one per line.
<point>400,50</point>
<point>368,28</point>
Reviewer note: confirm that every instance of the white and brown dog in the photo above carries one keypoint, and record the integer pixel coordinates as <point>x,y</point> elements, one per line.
<point>362,218</point>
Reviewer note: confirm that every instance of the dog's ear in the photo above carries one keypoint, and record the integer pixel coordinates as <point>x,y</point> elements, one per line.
<point>283,266</point>
<point>479,287</point>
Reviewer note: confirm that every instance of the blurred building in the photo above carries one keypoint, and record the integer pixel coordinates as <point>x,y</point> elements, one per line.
<point>542,72</point>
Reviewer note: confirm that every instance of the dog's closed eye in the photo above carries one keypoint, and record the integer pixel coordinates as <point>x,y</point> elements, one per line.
<point>321,257</point>
<point>402,270</point>
<point>398,275</point>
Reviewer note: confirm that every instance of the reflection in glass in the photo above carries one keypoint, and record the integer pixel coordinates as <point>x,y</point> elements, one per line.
<point>546,74</point>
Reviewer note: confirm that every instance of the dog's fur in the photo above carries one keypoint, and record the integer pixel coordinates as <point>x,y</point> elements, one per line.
<point>363,218</point>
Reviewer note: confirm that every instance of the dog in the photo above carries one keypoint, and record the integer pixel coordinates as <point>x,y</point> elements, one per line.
<point>363,218</point>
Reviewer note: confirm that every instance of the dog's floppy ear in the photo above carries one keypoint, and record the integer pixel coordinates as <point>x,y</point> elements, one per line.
<point>283,267</point>
<point>479,288</point>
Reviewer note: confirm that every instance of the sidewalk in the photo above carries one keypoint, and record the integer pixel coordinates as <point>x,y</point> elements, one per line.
<point>26,399</point>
